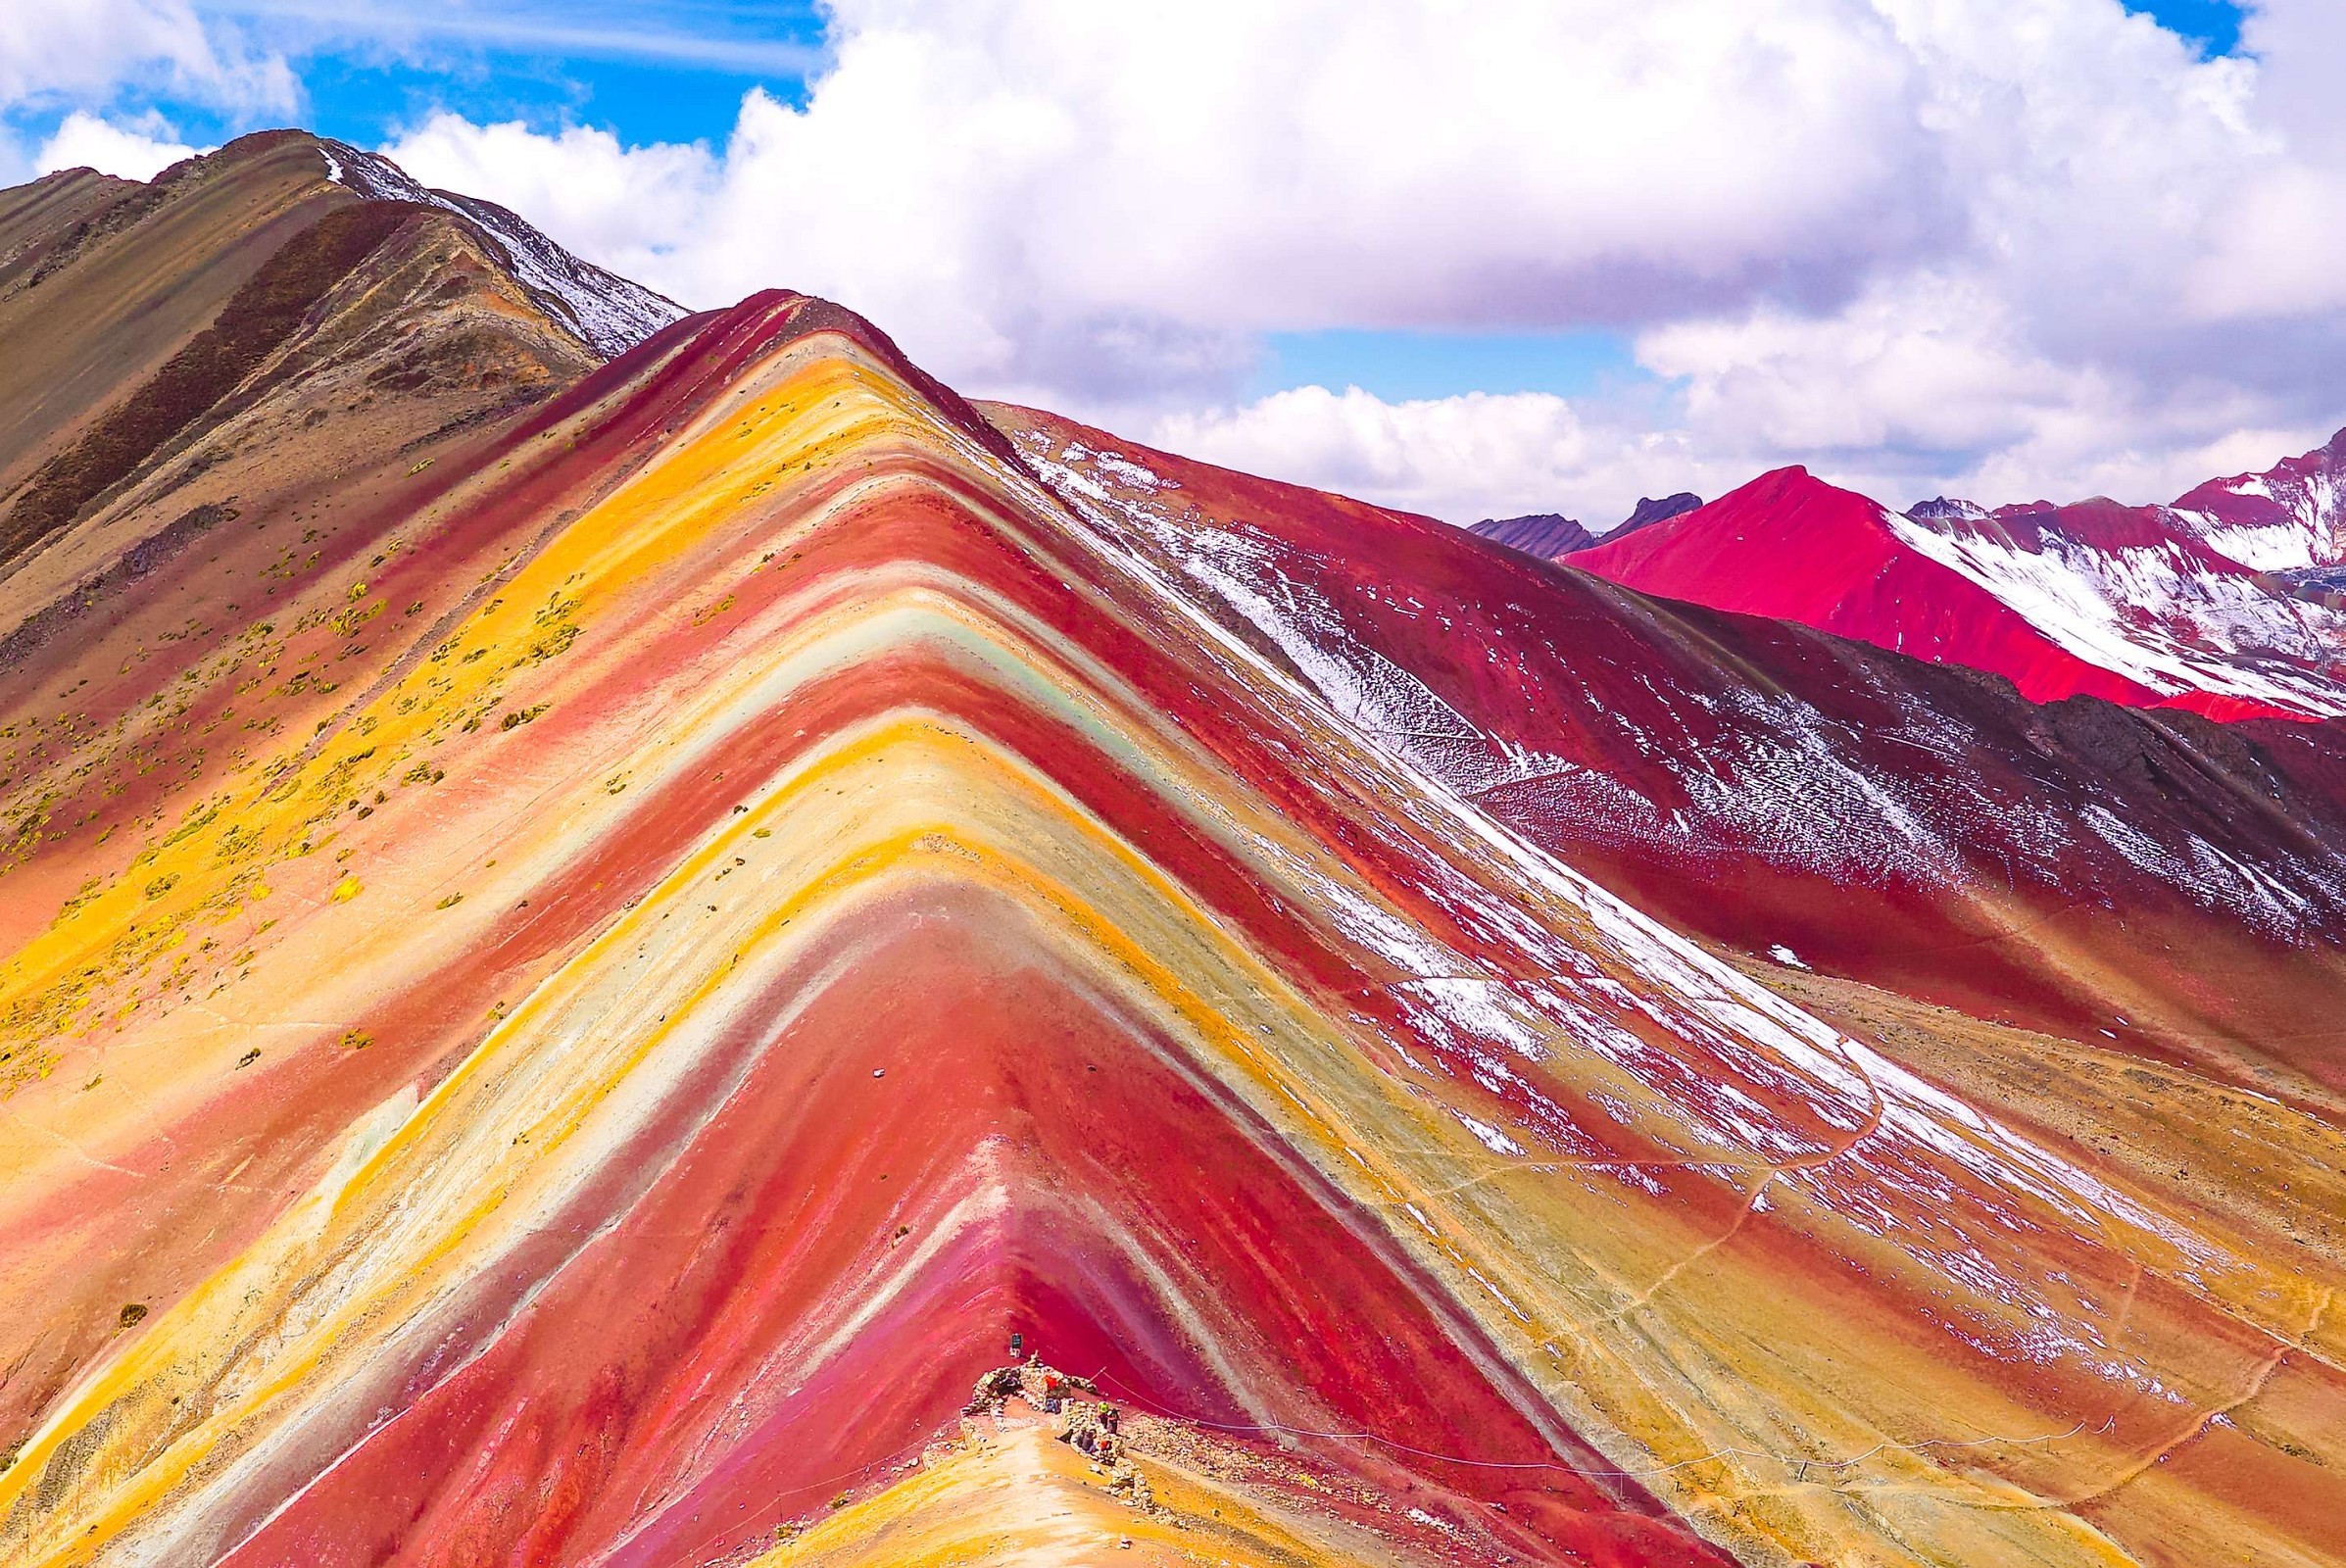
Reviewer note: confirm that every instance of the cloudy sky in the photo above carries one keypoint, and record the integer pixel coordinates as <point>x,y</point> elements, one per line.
<point>1470,257</point>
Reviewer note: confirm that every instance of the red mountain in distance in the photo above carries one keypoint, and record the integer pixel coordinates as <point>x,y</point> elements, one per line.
<point>2288,519</point>
<point>2137,605</point>
<point>1791,547</point>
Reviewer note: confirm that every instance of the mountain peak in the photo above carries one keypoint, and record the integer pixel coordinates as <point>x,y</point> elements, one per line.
<point>2289,517</point>
<point>1545,534</point>
<point>1652,510</point>
<point>608,312</point>
<point>1945,508</point>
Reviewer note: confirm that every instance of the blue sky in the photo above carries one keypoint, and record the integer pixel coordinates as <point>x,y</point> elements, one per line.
<point>658,70</point>
<point>1398,365</point>
<point>2214,23</point>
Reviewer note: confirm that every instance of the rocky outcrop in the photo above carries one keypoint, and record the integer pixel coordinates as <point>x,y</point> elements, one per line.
<point>1545,534</point>
<point>1650,510</point>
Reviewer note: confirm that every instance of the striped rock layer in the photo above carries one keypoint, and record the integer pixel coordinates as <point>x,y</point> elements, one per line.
<point>570,985</point>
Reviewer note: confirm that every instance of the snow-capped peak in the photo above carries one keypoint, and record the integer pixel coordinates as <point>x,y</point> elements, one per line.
<point>608,313</point>
<point>1948,508</point>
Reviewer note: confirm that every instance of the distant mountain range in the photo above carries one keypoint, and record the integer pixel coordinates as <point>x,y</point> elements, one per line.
<point>644,938</point>
<point>2226,602</point>
<point>1552,535</point>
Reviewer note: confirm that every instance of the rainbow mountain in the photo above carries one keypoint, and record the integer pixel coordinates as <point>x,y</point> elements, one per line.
<point>602,904</point>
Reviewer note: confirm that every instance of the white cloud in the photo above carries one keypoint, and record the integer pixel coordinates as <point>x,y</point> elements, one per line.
<point>138,151</point>
<point>1030,189</point>
<point>83,51</point>
<point>2015,246</point>
<point>1477,455</point>
<point>1414,455</point>
<point>631,209</point>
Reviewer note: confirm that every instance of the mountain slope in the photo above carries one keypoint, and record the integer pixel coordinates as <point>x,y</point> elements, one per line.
<point>138,272</point>
<point>565,1010</point>
<point>2076,867</point>
<point>1734,801</point>
<point>1791,547</point>
<point>1652,510</point>
<point>39,219</point>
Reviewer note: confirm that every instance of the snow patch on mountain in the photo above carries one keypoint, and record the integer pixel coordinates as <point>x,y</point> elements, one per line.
<point>1951,507</point>
<point>2159,614</point>
<point>2299,529</point>
<point>608,313</point>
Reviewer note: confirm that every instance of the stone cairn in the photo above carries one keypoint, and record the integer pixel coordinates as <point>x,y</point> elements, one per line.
<point>1087,1422</point>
